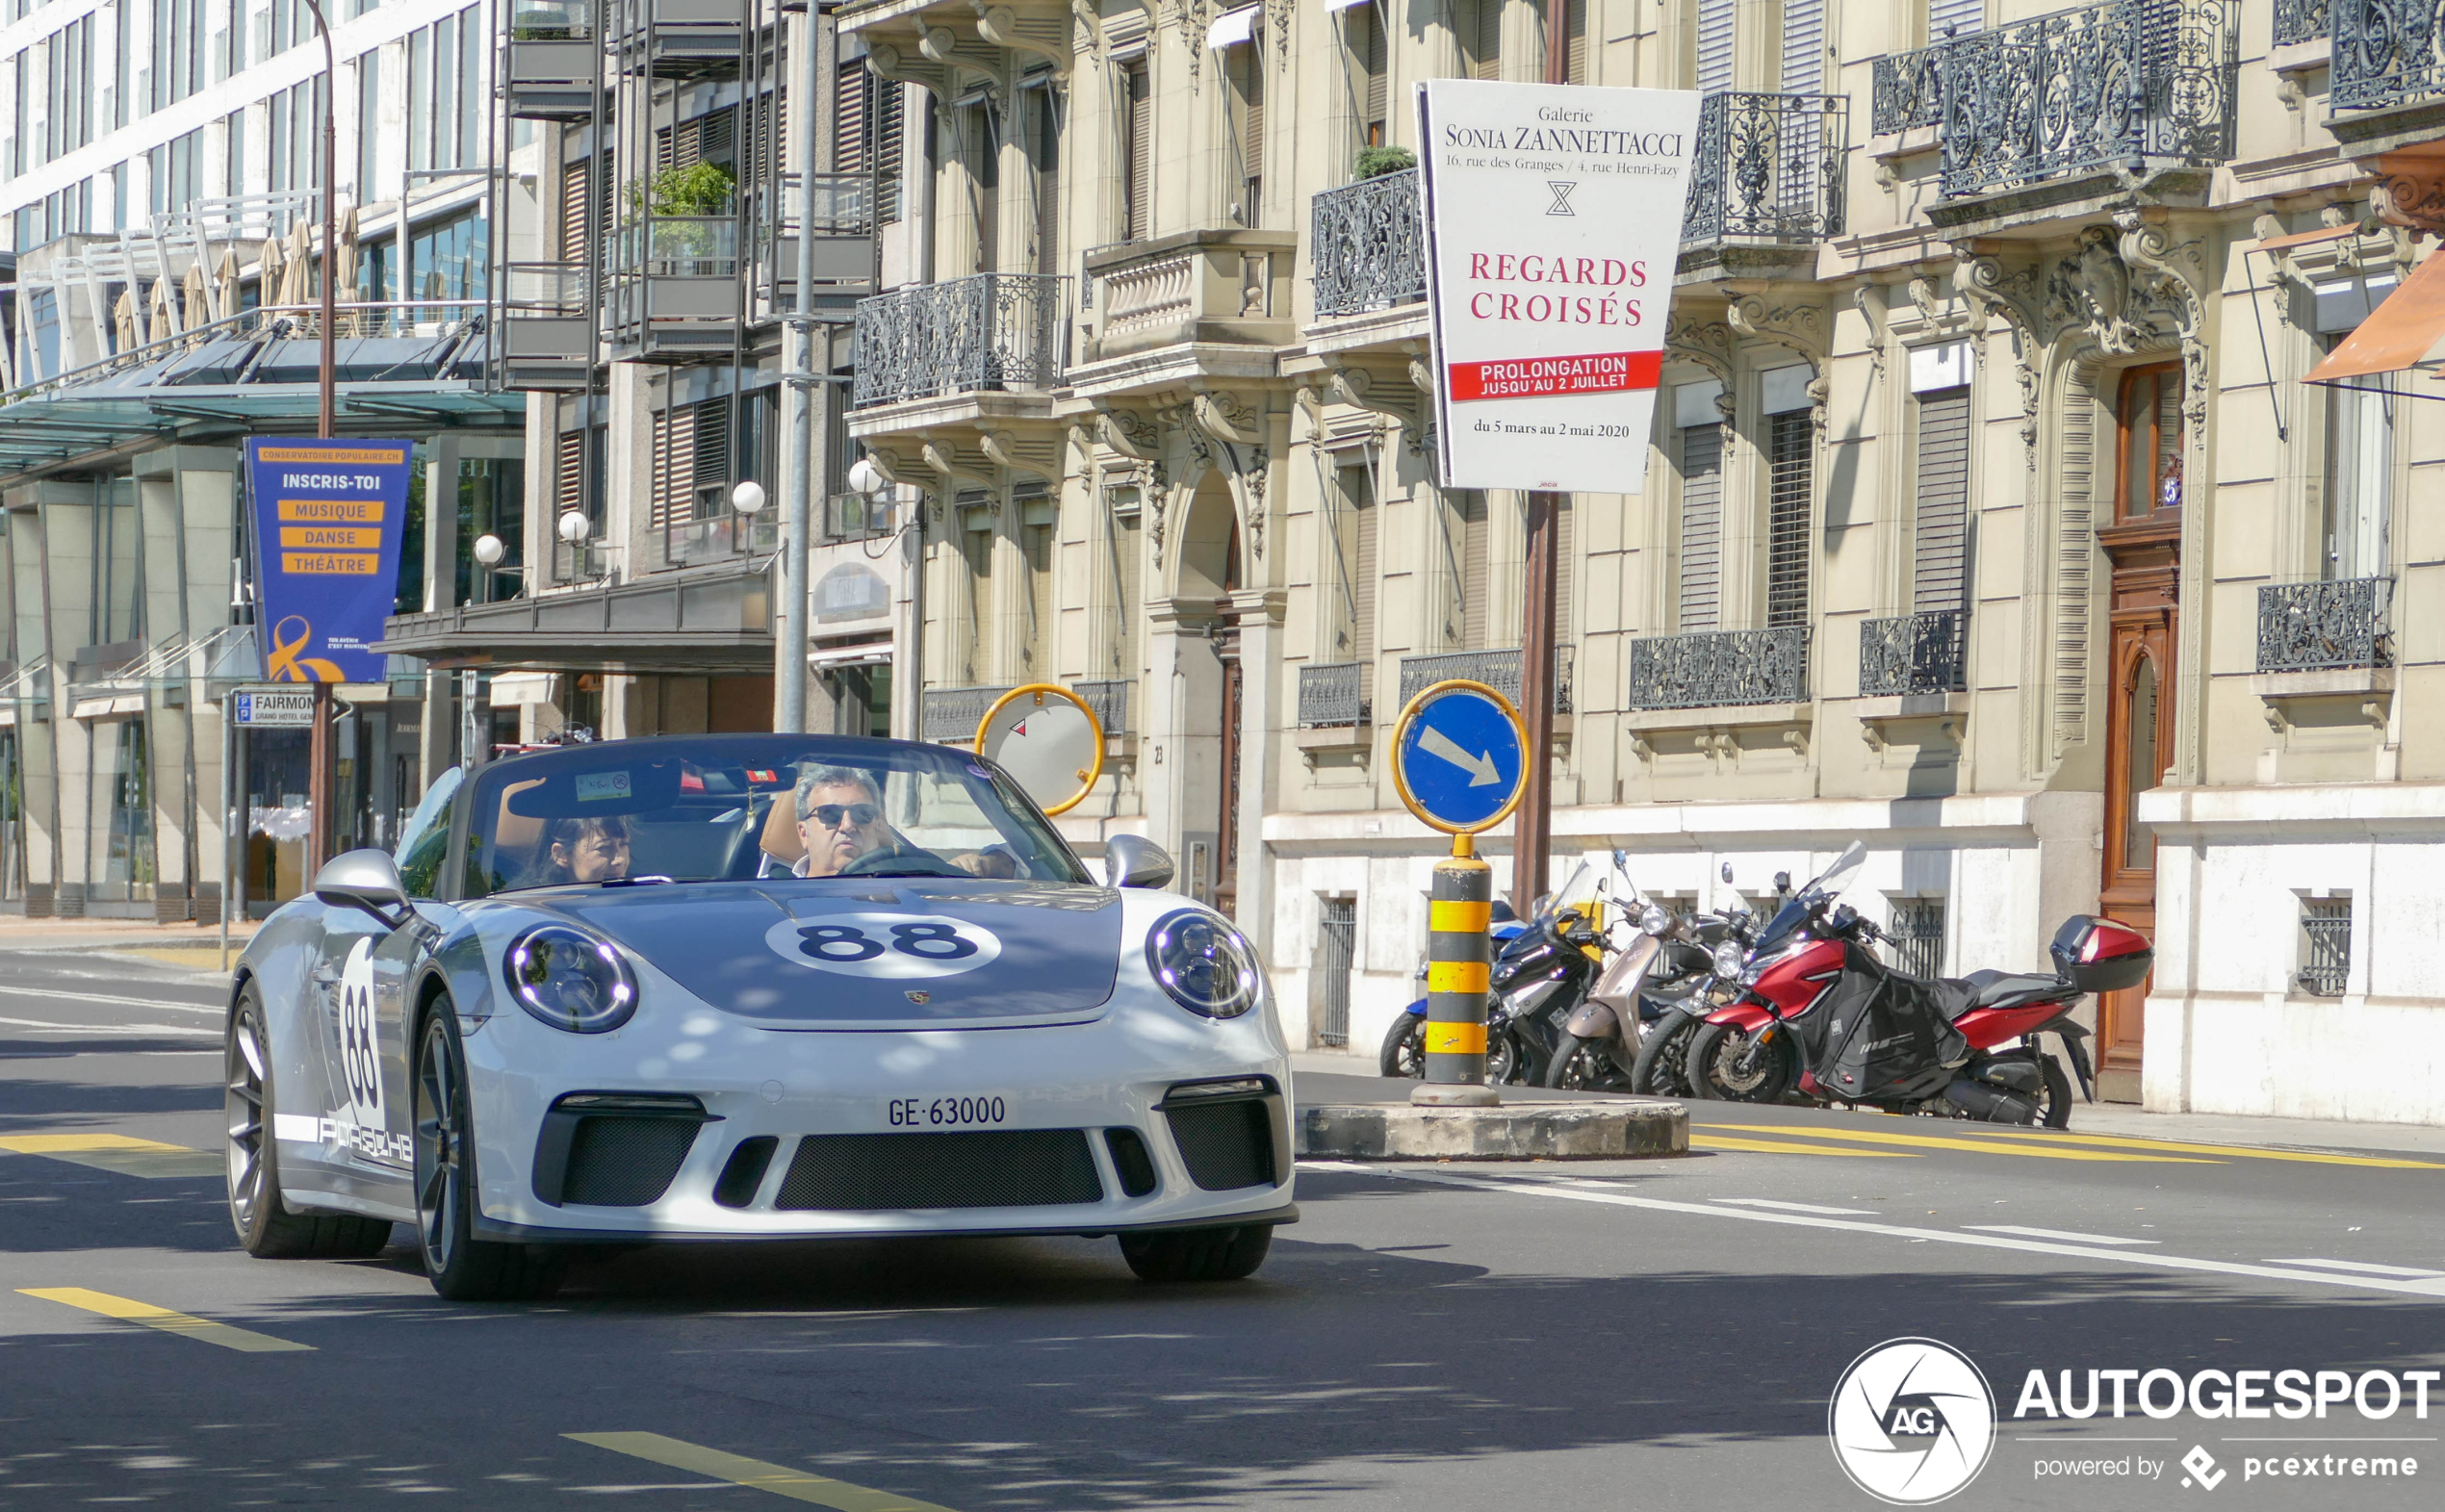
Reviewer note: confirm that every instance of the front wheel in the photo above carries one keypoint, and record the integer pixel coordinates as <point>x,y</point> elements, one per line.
<point>1584,1066</point>
<point>1662,1069</point>
<point>1199,1254</point>
<point>266,1227</point>
<point>1405,1048</point>
<point>1727,1064</point>
<point>461,1267</point>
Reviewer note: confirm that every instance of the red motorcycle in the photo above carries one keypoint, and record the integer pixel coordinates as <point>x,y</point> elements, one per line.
<point>1820,1014</point>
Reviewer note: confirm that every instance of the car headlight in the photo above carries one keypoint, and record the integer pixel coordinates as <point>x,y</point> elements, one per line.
<point>1728,958</point>
<point>1204,963</point>
<point>1654,920</point>
<point>570,979</point>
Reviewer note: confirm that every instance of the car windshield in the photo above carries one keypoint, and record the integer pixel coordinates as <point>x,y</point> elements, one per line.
<point>737,808</point>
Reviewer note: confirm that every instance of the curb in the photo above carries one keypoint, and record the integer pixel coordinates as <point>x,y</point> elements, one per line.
<point>1589,1131</point>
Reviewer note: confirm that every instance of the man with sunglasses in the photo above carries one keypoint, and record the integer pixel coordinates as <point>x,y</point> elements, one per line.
<point>839,819</point>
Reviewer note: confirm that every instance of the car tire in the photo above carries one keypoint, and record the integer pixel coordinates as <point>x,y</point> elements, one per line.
<point>462,1268</point>
<point>1199,1254</point>
<point>266,1227</point>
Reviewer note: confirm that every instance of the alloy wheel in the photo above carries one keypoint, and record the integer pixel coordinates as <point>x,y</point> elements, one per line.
<point>242,1104</point>
<point>439,1151</point>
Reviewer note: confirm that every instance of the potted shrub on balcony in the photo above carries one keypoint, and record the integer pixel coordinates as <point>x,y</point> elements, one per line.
<point>1377,162</point>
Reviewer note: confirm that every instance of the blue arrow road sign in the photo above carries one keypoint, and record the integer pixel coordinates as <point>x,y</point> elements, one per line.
<point>1461,758</point>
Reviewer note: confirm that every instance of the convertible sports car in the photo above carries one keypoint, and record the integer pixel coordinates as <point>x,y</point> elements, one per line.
<point>749,987</point>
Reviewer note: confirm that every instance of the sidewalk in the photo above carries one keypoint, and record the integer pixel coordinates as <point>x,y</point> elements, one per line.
<point>194,947</point>
<point>2121,1120</point>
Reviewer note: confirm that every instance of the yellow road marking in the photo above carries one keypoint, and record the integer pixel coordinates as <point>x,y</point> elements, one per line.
<point>1937,1142</point>
<point>119,1152</point>
<point>244,1340</point>
<point>1722,1142</point>
<point>798,1485</point>
<point>2235,1151</point>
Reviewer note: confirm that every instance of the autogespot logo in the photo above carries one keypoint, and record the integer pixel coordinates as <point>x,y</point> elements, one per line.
<point>1913,1422</point>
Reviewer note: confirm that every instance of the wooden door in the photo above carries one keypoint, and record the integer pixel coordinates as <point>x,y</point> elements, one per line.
<point>2144,548</point>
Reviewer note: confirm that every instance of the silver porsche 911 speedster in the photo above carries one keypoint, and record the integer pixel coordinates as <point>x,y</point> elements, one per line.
<point>749,987</point>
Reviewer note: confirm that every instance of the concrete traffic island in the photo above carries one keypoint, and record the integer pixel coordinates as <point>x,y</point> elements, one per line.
<point>1613,1129</point>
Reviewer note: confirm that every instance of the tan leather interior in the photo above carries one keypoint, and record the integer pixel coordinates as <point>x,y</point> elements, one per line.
<point>513,833</point>
<point>781,841</point>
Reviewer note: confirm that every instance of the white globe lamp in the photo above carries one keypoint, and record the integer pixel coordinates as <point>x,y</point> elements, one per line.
<point>864,478</point>
<point>489,550</point>
<point>748,498</point>
<point>575,527</point>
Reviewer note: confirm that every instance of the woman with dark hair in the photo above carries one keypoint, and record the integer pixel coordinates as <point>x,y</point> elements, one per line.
<point>582,850</point>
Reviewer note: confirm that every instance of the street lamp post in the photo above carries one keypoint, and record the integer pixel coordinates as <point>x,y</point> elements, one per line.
<point>318,784</point>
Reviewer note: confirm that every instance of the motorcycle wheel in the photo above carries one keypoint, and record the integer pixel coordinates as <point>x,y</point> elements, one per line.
<point>1505,1064</point>
<point>1722,1068</point>
<point>1404,1048</point>
<point>1662,1069</point>
<point>1584,1066</point>
<point>2057,1112</point>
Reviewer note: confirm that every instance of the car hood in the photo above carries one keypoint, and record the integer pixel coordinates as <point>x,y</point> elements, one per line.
<point>849,953</point>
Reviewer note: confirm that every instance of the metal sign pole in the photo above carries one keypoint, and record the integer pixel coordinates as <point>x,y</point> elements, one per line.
<point>230,834</point>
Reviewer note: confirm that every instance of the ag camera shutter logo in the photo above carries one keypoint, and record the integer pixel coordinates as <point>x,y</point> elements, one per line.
<point>1912,1421</point>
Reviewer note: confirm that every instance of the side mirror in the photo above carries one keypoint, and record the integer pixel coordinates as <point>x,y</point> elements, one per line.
<point>1132,861</point>
<point>1783,882</point>
<point>1727,871</point>
<point>366,879</point>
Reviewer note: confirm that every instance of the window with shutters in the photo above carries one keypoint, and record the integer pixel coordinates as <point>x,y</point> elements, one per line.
<point>1481,38</point>
<point>1940,544</point>
<point>1954,18</point>
<point>691,462</point>
<point>1137,152</point>
<point>867,133</point>
<point>1354,540</point>
<point>977,558</point>
<point>1371,79</point>
<point>1790,450</point>
<point>2360,482</point>
<point>1803,68</point>
<point>1475,545</point>
<point>1714,46</point>
<point>1128,558</point>
<point>1045,155</point>
<point>1035,545</point>
<point>1565,554</point>
<point>1700,526</point>
<point>1575,57</point>
<point>983,155</point>
<point>1246,65</point>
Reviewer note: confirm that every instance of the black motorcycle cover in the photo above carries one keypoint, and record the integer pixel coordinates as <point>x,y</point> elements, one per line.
<point>1881,1035</point>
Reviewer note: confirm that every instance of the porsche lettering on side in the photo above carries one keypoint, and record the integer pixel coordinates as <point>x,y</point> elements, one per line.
<point>749,987</point>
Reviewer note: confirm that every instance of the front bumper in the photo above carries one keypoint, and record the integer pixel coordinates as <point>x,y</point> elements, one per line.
<point>830,1111</point>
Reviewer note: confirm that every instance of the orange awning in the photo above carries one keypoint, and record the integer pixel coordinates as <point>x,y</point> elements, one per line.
<point>2406,330</point>
<point>2285,244</point>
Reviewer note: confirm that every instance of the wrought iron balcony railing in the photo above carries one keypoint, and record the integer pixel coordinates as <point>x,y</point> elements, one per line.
<point>2386,52</point>
<point>1720,669</point>
<point>949,716</point>
<point>1369,244</point>
<point>2315,626</point>
<point>1332,694</point>
<point>1767,166</point>
<point>1912,653</point>
<point>1909,90</point>
<point>991,331</point>
<point>2300,21</point>
<point>1109,698</point>
<point>1499,670</point>
<point>2133,84</point>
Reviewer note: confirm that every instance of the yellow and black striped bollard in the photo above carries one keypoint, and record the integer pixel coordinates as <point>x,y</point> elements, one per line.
<point>1459,960</point>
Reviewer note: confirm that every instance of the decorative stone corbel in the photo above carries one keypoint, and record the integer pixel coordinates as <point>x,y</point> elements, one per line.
<point>1805,328</point>
<point>944,458</point>
<point>1797,740</point>
<point>1130,433</point>
<point>1229,416</point>
<point>2176,271</point>
<point>2096,287</point>
<point>1872,734</point>
<point>1090,21</point>
<point>1870,302</point>
<point>1043,34</point>
<point>1710,345</point>
<point>1357,388</point>
<point>1040,457</point>
<point>2410,192</point>
<point>1242,430</point>
<point>1991,289</point>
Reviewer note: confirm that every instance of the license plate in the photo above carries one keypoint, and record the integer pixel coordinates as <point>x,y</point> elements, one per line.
<point>966,1110</point>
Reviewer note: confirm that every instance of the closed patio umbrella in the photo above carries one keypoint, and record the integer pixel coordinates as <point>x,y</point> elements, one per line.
<point>194,298</point>
<point>343,272</point>
<point>123,320</point>
<point>226,285</point>
<point>164,318</point>
<point>273,269</point>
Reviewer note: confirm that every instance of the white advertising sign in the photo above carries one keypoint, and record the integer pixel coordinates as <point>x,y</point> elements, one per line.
<point>277,707</point>
<point>1553,220</point>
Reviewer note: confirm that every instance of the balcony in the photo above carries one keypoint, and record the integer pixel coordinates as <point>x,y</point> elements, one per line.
<point>675,290</point>
<point>2130,85</point>
<point>1719,669</point>
<point>547,330</point>
<point>1767,166</point>
<point>1225,287</point>
<point>2387,53</point>
<point>679,38</point>
<point>950,716</point>
<point>1332,694</point>
<point>1109,699</point>
<point>844,247</point>
<point>552,60</point>
<point>856,517</point>
<point>2324,627</point>
<point>722,538</point>
<point>1369,246</point>
<point>2299,21</point>
<point>1912,653</point>
<point>990,332</point>
<point>1499,670</point>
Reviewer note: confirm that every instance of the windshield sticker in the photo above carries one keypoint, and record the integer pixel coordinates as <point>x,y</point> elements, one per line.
<point>594,786</point>
<point>885,946</point>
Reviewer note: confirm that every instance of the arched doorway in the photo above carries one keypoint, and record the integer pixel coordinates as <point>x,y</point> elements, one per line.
<point>2144,546</point>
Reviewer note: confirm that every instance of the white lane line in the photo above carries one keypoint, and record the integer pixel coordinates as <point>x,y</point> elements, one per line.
<point>111,1029</point>
<point>217,1010</point>
<point>2370,1266</point>
<point>1797,1207</point>
<point>1582,1190</point>
<point>2072,1235</point>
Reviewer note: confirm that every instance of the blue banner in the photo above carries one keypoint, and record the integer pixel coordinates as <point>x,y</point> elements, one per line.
<point>329,518</point>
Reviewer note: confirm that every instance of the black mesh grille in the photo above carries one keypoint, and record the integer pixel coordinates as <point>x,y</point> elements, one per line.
<point>1225,1146</point>
<point>991,1168</point>
<point>624,1163</point>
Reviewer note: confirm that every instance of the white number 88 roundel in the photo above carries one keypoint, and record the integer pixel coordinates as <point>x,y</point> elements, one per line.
<point>886,946</point>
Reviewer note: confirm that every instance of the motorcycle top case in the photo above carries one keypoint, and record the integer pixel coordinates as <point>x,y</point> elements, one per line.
<point>2101,955</point>
<point>1881,1035</point>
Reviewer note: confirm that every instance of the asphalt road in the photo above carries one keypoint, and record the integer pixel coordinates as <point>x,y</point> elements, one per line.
<point>1657,1333</point>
